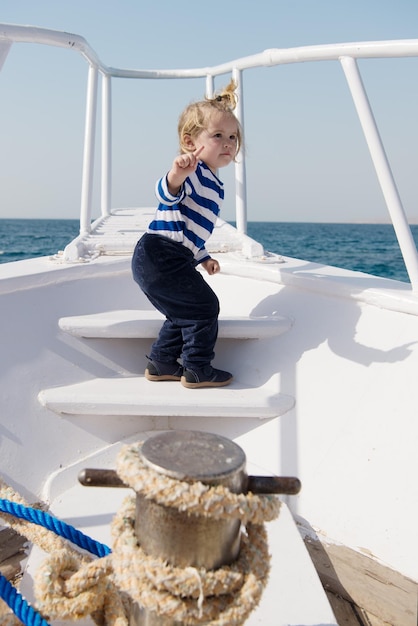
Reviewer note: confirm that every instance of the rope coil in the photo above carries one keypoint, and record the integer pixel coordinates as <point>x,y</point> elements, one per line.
<point>72,585</point>
<point>224,596</point>
<point>195,498</point>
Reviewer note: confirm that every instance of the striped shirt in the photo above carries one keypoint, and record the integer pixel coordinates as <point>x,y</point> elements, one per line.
<point>189,217</point>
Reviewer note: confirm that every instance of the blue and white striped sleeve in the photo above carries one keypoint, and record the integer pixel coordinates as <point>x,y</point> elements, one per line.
<point>201,256</point>
<point>163,194</point>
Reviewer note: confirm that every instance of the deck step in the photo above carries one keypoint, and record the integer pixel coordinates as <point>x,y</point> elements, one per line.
<point>130,324</point>
<point>137,396</point>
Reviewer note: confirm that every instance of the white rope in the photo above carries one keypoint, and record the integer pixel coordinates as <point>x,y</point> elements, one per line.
<point>197,498</point>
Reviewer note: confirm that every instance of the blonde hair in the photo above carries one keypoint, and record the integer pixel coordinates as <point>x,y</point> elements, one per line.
<point>196,115</point>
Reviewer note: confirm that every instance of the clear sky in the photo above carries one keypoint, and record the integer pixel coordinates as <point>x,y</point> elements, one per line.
<point>306,156</point>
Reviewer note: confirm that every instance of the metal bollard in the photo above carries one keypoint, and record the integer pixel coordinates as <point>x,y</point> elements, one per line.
<point>178,537</point>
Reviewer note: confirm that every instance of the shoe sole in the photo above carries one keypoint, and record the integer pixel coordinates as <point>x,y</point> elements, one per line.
<point>156,378</point>
<point>204,383</point>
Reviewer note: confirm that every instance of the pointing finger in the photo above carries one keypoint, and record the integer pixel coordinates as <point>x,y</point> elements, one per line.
<point>198,151</point>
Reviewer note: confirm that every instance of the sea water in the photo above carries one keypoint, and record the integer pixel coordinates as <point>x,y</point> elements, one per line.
<point>370,248</point>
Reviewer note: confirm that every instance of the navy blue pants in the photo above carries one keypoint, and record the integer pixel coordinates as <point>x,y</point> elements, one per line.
<point>165,271</point>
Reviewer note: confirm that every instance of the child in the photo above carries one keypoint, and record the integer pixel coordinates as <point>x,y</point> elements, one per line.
<point>166,256</point>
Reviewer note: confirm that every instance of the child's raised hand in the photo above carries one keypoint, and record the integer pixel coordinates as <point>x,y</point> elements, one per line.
<point>188,160</point>
<point>183,165</point>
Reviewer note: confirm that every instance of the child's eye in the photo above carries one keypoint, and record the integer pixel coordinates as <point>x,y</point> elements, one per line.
<point>217,135</point>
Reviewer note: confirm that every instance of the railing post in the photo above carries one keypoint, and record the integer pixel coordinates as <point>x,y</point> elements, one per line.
<point>106,188</point>
<point>382,167</point>
<point>4,51</point>
<point>209,86</point>
<point>88,159</point>
<point>240,172</point>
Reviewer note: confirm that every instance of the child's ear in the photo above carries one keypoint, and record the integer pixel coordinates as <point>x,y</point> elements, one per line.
<point>188,143</point>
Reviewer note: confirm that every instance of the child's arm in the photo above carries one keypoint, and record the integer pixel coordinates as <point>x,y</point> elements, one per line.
<point>183,165</point>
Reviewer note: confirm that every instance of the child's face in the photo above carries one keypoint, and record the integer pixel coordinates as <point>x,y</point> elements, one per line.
<point>219,140</point>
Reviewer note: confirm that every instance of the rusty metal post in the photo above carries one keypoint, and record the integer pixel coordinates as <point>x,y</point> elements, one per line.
<point>179,538</point>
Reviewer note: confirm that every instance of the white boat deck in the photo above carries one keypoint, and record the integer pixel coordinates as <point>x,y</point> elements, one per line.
<point>117,234</point>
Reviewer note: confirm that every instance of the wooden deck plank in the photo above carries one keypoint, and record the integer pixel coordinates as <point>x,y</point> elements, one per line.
<point>385,596</point>
<point>344,612</point>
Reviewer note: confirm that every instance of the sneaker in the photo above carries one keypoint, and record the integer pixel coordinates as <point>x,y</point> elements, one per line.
<point>208,376</point>
<point>158,370</point>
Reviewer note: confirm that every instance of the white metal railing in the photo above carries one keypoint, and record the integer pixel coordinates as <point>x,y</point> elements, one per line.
<point>346,53</point>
